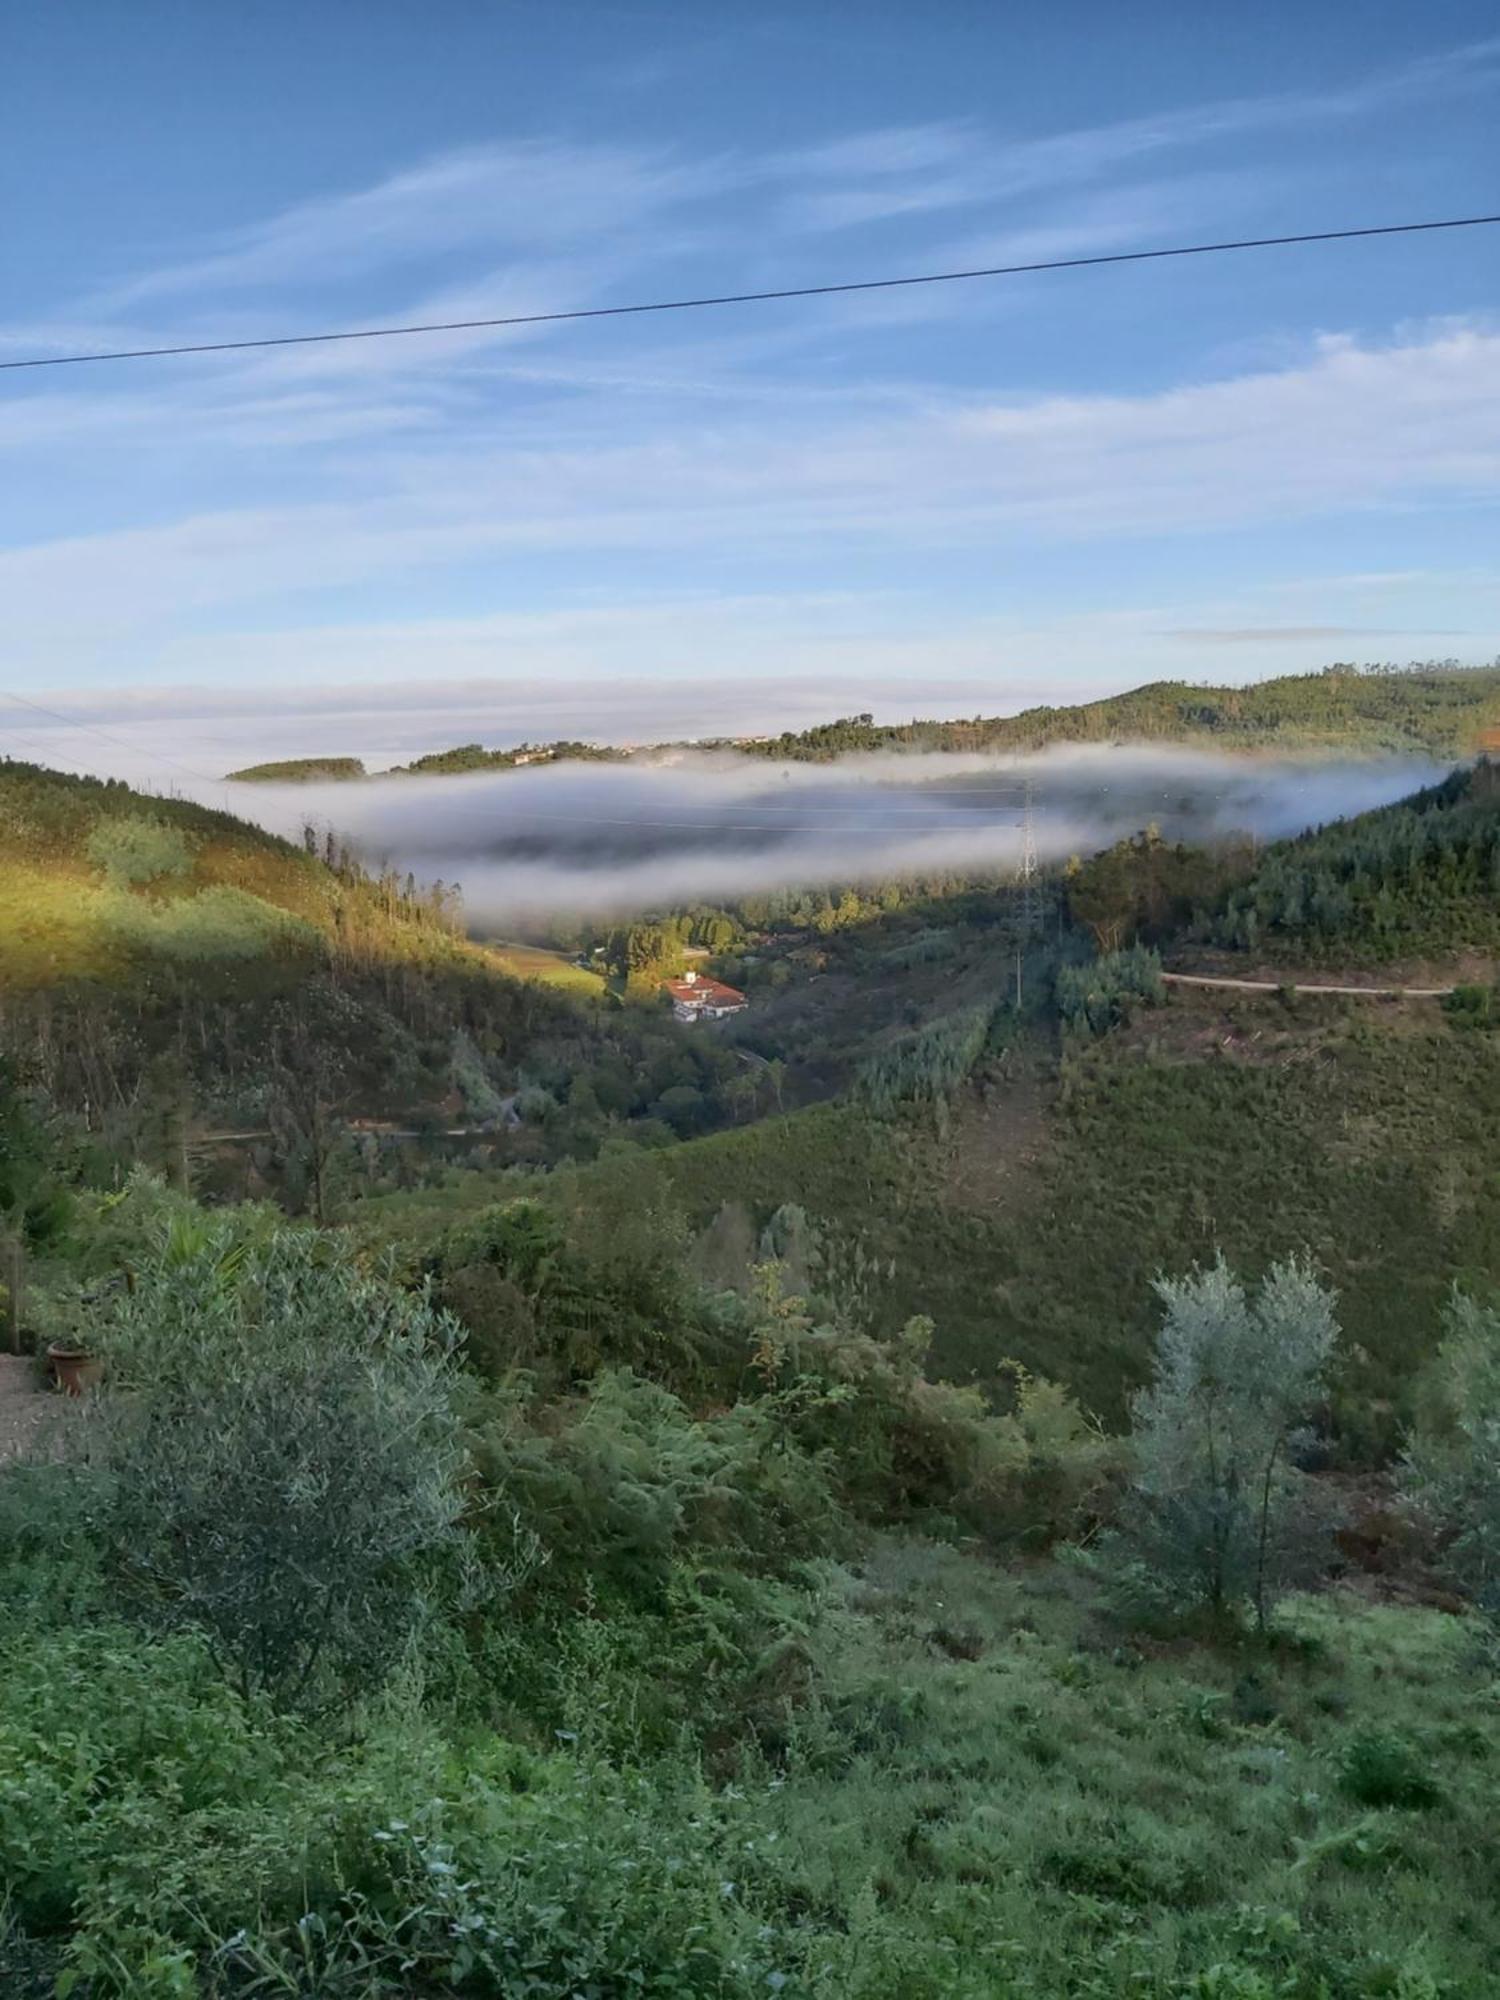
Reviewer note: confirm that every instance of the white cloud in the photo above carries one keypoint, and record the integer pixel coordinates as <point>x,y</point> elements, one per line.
<point>257,486</point>
<point>1355,427</point>
<point>520,195</point>
<point>916,170</point>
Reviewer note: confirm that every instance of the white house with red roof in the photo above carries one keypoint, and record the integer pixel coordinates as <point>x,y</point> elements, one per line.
<point>696,997</point>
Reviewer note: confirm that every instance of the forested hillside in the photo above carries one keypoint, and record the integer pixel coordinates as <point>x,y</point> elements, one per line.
<point>1442,710</point>
<point>169,971</point>
<point>1416,879</point>
<point>1028,1208</point>
<point>609,1593</point>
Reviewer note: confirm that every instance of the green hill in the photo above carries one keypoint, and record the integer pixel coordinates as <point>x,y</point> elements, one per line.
<point>648,1626</point>
<point>1440,711</point>
<point>105,884</point>
<point>299,771</point>
<point>466,757</point>
<point>1031,1221</point>
<point>167,969</point>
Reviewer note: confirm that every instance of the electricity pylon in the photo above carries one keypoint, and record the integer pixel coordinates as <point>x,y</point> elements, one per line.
<point>1028,877</point>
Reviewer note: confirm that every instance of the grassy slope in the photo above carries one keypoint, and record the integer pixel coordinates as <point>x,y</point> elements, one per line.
<point>979,1791</point>
<point>1033,1226</point>
<point>1033,1801</point>
<point>548,968</point>
<point>239,893</point>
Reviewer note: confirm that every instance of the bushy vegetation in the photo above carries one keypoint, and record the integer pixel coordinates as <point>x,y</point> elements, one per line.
<point>1035,1225</point>
<point>1103,992</point>
<point>277,1454</point>
<point>926,1067</point>
<point>521,1616</point>
<point>1144,890</point>
<point>1453,1464</point>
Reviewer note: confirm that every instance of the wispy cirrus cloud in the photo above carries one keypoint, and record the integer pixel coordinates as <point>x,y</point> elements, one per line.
<point>1357,425</point>
<point>511,196</point>
<point>923,169</point>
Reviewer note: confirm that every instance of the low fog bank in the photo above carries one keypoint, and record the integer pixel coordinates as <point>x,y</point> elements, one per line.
<point>607,839</point>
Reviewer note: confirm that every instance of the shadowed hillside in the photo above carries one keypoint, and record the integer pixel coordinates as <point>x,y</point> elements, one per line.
<point>169,971</point>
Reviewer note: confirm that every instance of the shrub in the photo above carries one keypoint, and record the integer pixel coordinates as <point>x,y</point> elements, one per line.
<point>928,1065</point>
<point>1380,1769</point>
<point>133,849</point>
<point>1100,995</point>
<point>537,1295</point>
<point>1470,1006</point>
<point>280,1453</point>
<point>220,922</point>
<point>1060,1468</point>
<point>1452,1468</point>
<point>181,1841</point>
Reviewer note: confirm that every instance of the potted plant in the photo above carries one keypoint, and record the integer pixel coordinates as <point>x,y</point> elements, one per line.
<point>62,1316</point>
<point>74,1369</point>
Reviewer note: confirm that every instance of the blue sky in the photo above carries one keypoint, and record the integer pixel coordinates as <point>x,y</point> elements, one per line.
<point>983,495</point>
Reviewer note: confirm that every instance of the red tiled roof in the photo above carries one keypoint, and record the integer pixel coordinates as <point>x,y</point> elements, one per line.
<point>708,992</point>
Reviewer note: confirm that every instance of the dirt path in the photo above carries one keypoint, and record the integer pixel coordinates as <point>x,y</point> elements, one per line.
<point>24,1406</point>
<point>1279,986</point>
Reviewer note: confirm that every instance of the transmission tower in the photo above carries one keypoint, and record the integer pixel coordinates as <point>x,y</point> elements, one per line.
<point>1030,896</point>
<point>1028,877</point>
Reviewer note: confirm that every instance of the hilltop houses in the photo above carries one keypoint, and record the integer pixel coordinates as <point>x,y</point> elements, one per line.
<point>696,997</point>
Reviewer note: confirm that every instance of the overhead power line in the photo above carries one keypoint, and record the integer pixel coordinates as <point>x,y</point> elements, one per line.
<point>750,298</point>
<point>105,736</point>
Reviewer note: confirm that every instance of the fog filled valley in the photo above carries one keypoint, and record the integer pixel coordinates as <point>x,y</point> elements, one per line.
<point>604,840</point>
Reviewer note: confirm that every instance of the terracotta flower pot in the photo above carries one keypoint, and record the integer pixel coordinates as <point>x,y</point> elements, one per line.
<point>75,1368</point>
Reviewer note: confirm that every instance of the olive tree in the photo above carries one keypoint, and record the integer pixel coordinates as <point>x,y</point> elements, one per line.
<point>279,1455</point>
<point>1219,1513</point>
<point>1452,1468</point>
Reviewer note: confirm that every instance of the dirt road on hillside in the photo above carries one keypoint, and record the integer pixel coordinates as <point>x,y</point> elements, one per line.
<point>1279,986</point>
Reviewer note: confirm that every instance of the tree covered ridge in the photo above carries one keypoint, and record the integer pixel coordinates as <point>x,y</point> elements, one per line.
<point>1438,707</point>
<point>103,879</point>
<point>299,770</point>
<point>1418,877</point>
